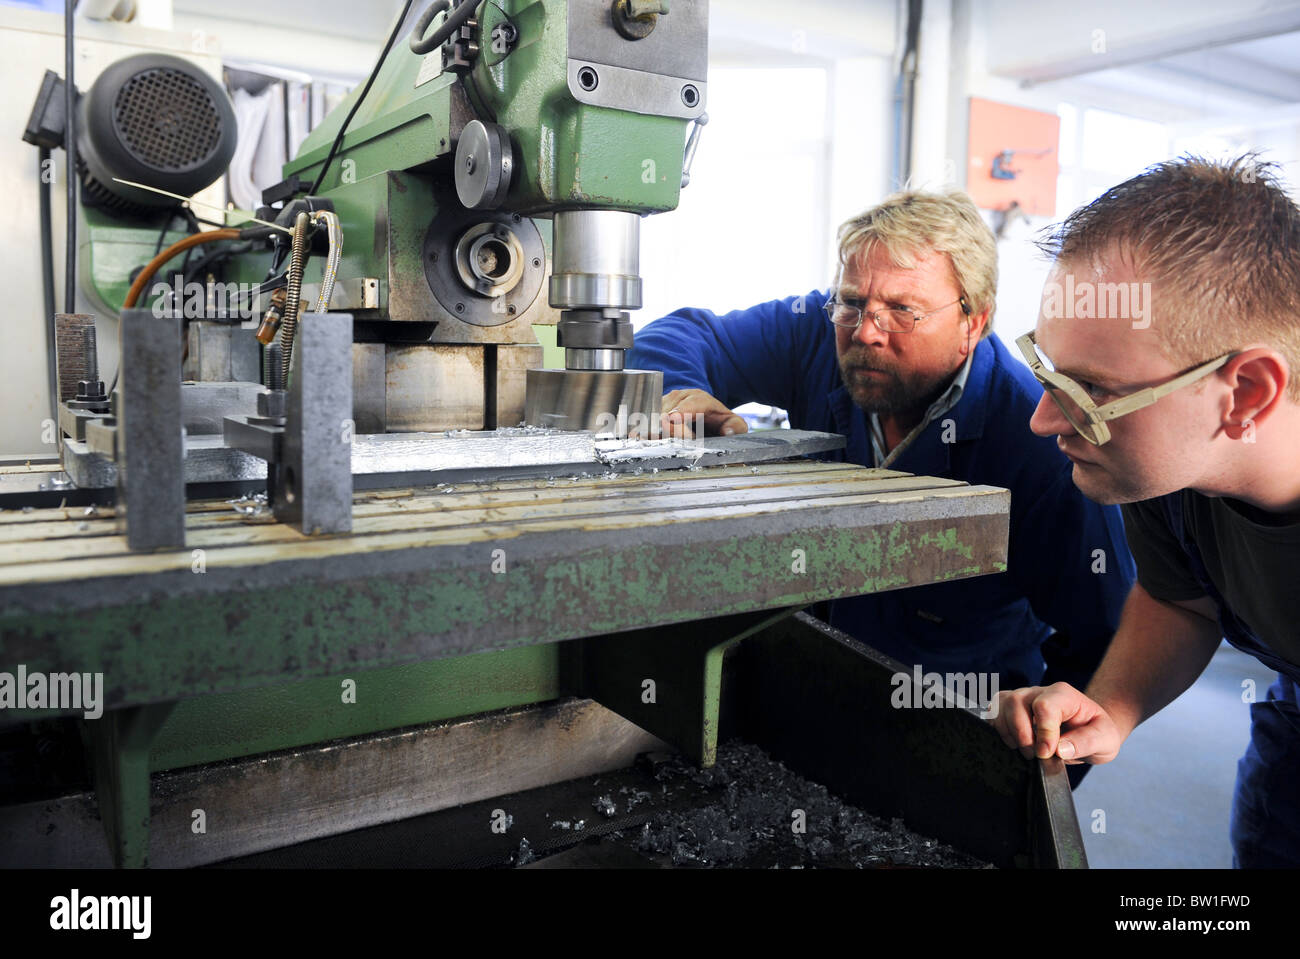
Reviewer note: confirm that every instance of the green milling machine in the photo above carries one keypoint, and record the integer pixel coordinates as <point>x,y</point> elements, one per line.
<point>449,574</point>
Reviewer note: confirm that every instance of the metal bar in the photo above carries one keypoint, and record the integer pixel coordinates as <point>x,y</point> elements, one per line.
<point>388,460</point>
<point>150,478</point>
<point>312,488</point>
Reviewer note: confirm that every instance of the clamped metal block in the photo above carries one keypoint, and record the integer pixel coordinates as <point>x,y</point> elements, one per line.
<point>304,431</point>
<point>150,441</point>
<point>312,486</point>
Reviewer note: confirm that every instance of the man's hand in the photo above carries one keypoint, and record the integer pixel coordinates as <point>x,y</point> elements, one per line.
<point>1057,720</point>
<point>685,410</point>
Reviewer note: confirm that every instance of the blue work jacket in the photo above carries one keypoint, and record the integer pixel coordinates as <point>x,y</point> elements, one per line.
<point>1052,614</point>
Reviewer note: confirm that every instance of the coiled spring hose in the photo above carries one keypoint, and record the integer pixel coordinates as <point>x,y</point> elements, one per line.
<point>297,261</point>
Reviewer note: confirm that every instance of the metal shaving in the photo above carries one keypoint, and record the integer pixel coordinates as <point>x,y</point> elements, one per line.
<point>611,451</point>
<point>765,816</point>
<point>250,504</point>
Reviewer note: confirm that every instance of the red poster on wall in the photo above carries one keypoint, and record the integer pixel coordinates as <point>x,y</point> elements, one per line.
<point>1013,157</point>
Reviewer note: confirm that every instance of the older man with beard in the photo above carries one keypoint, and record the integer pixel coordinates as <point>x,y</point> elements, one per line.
<point>899,357</point>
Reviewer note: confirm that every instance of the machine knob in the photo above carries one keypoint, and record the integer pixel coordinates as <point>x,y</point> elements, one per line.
<point>484,164</point>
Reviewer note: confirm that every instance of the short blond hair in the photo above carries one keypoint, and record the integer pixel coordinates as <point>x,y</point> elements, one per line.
<point>907,223</point>
<point>1223,237</point>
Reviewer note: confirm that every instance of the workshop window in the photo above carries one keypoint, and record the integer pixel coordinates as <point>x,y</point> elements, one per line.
<point>754,222</point>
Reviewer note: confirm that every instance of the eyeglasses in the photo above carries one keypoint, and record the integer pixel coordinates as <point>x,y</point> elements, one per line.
<point>1087,418</point>
<point>848,313</point>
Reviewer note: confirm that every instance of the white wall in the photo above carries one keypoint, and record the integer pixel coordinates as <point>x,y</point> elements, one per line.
<point>799,140</point>
<point>1044,53</point>
<point>31,42</point>
<point>788,154</point>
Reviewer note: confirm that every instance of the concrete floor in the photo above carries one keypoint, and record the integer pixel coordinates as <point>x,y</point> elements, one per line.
<point>1167,796</point>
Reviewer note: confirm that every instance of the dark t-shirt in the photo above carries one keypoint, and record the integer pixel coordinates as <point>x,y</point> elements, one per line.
<point>1252,558</point>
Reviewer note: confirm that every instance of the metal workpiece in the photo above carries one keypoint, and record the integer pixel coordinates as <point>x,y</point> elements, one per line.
<point>208,459</point>
<point>425,388</point>
<point>89,450</point>
<point>150,433</point>
<point>420,577</point>
<point>205,405</point>
<point>563,456</point>
<point>389,460</point>
<point>263,440</point>
<point>598,400</point>
<point>214,464</point>
<point>220,352</point>
<point>312,484</point>
<point>596,260</point>
<point>433,387</point>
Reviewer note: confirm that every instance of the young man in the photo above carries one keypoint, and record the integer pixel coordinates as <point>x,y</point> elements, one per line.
<point>1183,402</point>
<point>899,358</point>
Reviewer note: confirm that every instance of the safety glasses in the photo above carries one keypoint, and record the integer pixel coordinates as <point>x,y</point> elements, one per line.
<point>1087,418</point>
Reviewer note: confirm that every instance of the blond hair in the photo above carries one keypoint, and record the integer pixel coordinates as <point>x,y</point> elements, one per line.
<point>1222,237</point>
<point>910,222</point>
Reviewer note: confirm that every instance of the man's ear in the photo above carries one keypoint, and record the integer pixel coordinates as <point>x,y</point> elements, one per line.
<point>975,324</point>
<point>1258,377</point>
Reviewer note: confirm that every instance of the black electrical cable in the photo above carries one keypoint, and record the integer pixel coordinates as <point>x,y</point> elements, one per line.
<point>273,283</point>
<point>420,45</point>
<point>343,128</point>
<point>193,222</point>
<point>211,259</point>
<point>47,274</point>
<point>162,234</point>
<point>70,147</point>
